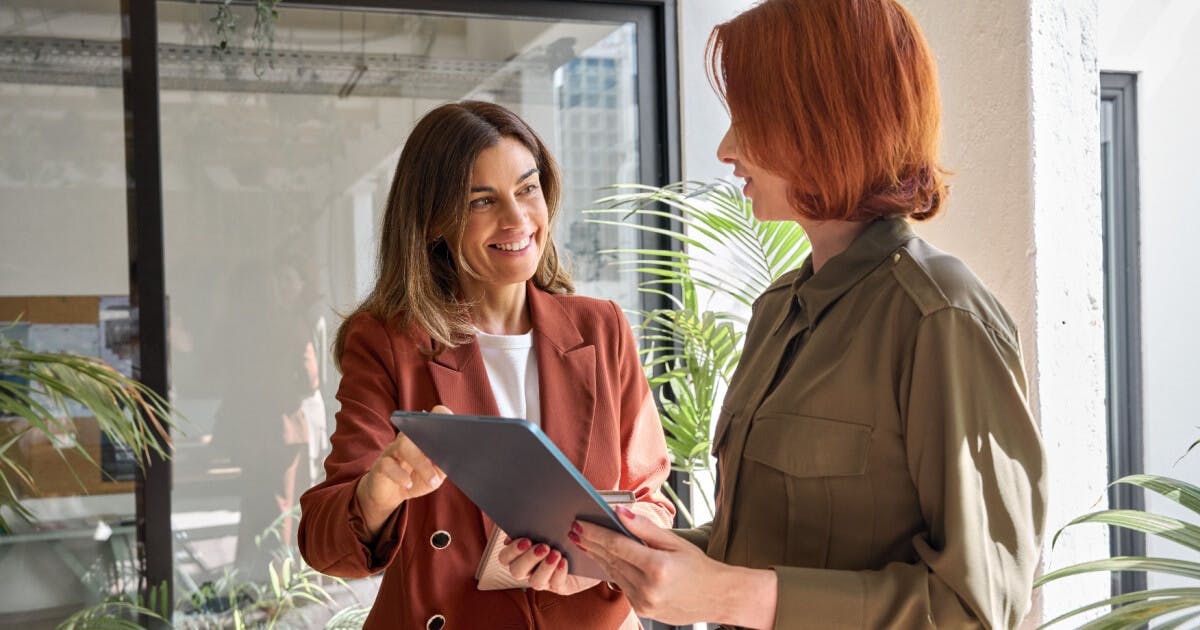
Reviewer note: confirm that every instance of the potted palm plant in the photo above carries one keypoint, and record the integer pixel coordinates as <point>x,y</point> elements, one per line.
<point>37,389</point>
<point>718,260</point>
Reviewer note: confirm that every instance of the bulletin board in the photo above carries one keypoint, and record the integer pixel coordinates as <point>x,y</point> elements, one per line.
<point>99,326</point>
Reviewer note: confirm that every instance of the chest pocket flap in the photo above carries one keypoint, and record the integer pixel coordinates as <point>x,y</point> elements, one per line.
<point>804,446</point>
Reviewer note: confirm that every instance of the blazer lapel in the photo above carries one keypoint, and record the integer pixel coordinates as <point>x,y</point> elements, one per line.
<point>566,376</point>
<point>461,381</point>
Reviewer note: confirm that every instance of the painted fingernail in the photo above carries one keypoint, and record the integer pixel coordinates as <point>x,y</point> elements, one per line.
<point>508,540</point>
<point>541,550</point>
<point>562,564</point>
<point>576,527</point>
<point>523,545</point>
<point>553,557</point>
<point>626,512</point>
<point>573,537</point>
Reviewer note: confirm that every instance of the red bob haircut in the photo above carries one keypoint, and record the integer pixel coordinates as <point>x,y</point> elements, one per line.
<point>840,98</point>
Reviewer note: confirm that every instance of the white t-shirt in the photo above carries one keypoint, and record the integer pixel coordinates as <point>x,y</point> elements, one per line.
<point>512,371</point>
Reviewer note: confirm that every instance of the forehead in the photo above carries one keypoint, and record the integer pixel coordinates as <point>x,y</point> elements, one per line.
<point>507,159</point>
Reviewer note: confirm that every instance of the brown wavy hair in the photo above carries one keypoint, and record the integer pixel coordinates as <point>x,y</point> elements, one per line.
<point>418,279</point>
<point>839,97</point>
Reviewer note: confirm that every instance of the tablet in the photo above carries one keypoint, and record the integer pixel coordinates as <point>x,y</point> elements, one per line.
<point>516,475</point>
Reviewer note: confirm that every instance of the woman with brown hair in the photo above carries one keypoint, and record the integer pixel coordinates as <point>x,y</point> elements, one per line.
<point>879,464</point>
<point>473,311</point>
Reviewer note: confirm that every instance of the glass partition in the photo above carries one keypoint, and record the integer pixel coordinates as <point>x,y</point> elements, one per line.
<point>64,280</point>
<point>276,165</point>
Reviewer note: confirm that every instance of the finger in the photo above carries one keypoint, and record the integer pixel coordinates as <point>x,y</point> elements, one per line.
<point>392,470</point>
<point>540,578</point>
<point>558,578</point>
<point>422,467</point>
<point>620,573</point>
<point>523,565</point>
<point>649,531</point>
<point>511,551</point>
<point>604,544</point>
<point>442,409</point>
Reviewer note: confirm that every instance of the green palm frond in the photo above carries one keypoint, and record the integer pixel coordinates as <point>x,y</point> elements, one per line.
<point>725,249</point>
<point>689,352</point>
<point>1167,608</point>
<point>38,388</point>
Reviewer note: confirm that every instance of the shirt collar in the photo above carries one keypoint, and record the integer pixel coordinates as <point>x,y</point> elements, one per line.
<point>817,292</point>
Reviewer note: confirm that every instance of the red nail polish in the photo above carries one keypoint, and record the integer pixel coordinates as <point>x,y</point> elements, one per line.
<point>562,564</point>
<point>541,550</point>
<point>553,557</point>
<point>626,512</point>
<point>576,527</point>
<point>523,545</point>
<point>508,540</point>
<point>573,537</point>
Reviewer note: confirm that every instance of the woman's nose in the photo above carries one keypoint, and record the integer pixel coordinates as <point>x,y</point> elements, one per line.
<point>727,151</point>
<point>512,212</point>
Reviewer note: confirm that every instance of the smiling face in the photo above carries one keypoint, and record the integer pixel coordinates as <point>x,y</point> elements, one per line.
<point>506,226</point>
<point>769,193</point>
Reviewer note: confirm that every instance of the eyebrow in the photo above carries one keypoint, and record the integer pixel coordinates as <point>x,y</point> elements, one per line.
<point>479,189</point>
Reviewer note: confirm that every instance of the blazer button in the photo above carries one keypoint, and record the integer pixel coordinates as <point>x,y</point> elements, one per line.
<point>436,622</point>
<point>440,540</point>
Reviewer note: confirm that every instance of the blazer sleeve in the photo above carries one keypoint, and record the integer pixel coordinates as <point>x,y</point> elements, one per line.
<point>331,525</point>
<point>644,460</point>
<point>976,460</point>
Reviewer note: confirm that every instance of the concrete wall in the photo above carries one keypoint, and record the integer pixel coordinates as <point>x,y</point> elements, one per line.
<point>1158,40</point>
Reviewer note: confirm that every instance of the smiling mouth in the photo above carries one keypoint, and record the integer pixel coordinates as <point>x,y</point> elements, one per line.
<point>514,246</point>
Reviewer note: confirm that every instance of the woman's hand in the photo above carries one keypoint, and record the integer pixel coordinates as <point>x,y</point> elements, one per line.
<point>546,568</point>
<point>401,472</point>
<point>671,580</point>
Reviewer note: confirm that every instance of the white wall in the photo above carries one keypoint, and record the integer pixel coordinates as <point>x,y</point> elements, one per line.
<point>1021,134</point>
<point>1159,40</point>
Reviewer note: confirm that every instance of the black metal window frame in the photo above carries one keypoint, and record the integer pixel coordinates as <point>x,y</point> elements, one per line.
<point>1122,315</point>
<point>658,137</point>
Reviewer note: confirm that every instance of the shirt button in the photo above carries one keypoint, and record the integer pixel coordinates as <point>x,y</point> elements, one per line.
<point>440,539</point>
<point>896,257</point>
<point>436,622</point>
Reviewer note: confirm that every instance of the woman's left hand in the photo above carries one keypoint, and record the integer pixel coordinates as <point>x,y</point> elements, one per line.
<point>546,568</point>
<point>671,580</point>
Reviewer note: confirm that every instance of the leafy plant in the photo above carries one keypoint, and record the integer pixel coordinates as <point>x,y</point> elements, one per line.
<point>37,387</point>
<point>1169,607</point>
<point>230,602</point>
<point>262,32</point>
<point>119,612</point>
<point>719,253</point>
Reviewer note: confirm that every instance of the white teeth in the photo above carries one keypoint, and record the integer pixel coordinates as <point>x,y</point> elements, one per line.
<point>513,247</point>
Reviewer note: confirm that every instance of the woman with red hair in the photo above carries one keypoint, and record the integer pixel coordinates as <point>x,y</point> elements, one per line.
<point>879,464</point>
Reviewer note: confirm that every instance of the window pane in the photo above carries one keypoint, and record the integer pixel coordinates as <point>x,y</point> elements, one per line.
<point>276,167</point>
<point>64,272</point>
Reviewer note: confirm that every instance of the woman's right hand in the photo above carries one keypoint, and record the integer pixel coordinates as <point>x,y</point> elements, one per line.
<point>401,472</point>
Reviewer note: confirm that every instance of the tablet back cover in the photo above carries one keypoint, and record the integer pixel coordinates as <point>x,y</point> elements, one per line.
<point>516,475</point>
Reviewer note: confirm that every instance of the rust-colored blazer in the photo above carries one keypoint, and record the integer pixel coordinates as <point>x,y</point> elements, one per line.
<point>595,405</point>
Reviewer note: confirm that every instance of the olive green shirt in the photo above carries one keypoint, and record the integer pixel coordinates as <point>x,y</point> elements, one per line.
<point>876,448</point>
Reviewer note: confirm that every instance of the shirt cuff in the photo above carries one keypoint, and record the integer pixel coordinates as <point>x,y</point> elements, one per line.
<point>837,598</point>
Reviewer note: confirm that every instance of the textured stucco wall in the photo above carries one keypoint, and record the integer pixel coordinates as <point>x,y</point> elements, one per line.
<point>1160,41</point>
<point>1070,287</point>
